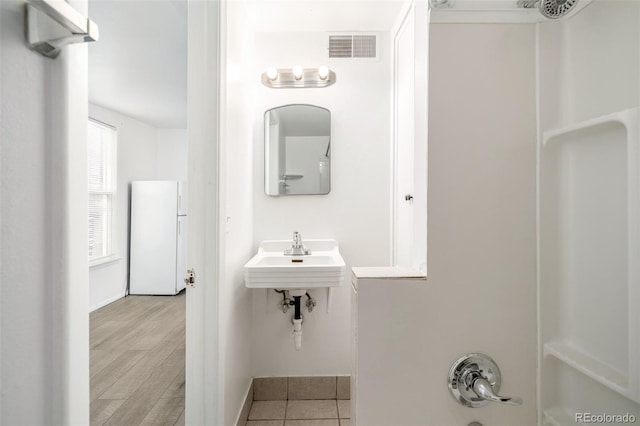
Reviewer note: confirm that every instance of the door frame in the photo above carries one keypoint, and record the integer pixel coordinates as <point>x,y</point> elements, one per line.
<point>71,332</point>
<point>203,395</point>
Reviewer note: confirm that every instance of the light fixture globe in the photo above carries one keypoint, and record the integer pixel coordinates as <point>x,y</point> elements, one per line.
<point>272,73</point>
<point>298,71</point>
<point>323,72</point>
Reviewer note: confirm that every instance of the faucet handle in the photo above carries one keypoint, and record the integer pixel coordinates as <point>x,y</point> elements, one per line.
<point>484,390</point>
<point>474,380</point>
<point>297,238</point>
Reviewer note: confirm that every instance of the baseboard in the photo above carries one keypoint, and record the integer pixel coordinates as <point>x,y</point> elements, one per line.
<point>106,302</point>
<point>244,412</point>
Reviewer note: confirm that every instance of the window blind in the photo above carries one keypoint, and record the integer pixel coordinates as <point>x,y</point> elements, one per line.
<point>101,160</point>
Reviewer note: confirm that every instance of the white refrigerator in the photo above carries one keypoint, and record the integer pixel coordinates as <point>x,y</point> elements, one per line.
<point>157,259</point>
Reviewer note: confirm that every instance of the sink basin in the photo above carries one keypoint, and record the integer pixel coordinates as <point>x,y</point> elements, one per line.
<point>270,268</point>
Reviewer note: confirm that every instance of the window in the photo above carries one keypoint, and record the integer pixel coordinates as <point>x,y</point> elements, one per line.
<point>101,159</point>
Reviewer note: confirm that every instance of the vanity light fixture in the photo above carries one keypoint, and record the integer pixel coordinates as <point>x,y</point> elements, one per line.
<point>323,72</point>
<point>272,73</point>
<point>298,77</point>
<point>298,72</point>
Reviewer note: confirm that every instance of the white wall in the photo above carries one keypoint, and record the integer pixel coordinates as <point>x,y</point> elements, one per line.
<point>588,66</point>
<point>171,162</point>
<point>26,374</point>
<point>356,212</point>
<point>236,220</point>
<point>482,238</point>
<point>144,153</point>
<point>45,328</point>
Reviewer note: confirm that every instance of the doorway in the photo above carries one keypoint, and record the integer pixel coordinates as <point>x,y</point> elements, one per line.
<point>138,89</point>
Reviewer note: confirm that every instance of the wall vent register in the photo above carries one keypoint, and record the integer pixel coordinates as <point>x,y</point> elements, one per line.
<point>352,46</point>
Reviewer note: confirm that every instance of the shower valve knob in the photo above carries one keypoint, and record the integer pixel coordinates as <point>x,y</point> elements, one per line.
<point>474,381</point>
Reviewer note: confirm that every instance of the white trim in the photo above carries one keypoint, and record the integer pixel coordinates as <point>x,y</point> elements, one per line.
<point>106,302</point>
<point>70,271</point>
<point>104,260</point>
<point>540,415</point>
<point>103,124</point>
<point>394,130</point>
<point>204,390</point>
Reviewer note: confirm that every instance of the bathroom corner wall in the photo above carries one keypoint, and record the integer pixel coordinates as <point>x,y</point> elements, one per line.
<point>481,281</point>
<point>236,212</point>
<point>356,212</point>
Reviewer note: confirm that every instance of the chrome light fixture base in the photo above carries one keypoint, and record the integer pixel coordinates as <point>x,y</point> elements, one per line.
<point>286,79</point>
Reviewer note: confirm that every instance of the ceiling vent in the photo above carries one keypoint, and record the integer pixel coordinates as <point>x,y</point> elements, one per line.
<point>352,46</point>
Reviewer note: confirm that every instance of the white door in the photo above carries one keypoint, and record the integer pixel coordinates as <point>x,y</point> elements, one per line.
<point>410,138</point>
<point>181,253</point>
<point>404,141</point>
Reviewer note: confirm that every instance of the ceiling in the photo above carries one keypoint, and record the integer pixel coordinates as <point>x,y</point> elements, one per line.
<point>139,65</point>
<point>323,15</point>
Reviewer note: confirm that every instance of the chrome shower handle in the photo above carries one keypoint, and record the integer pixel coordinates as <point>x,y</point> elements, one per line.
<point>474,381</point>
<point>484,390</point>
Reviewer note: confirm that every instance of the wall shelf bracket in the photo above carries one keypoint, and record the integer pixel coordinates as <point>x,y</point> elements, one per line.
<point>53,24</point>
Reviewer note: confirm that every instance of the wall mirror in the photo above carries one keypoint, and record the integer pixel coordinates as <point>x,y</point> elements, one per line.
<point>297,150</point>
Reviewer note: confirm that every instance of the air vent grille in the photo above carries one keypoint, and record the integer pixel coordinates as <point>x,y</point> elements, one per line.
<point>340,46</point>
<point>364,46</point>
<point>352,46</point>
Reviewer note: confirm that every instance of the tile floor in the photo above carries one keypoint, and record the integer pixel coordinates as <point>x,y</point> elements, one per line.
<point>300,401</point>
<point>311,412</point>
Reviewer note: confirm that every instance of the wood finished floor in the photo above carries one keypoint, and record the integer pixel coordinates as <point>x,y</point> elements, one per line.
<point>137,361</point>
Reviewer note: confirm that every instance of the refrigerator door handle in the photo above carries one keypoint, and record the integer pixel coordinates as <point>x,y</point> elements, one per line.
<point>179,233</point>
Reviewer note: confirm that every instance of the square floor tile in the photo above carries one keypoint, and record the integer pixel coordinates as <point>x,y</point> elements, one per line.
<point>269,388</point>
<point>345,422</point>
<point>267,410</point>
<point>314,422</point>
<point>312,409</point>
<point>265,423</point>
<point>312,387</point>
<point>344,408</point>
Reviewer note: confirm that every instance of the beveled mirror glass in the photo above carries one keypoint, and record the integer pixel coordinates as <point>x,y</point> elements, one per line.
<point>297,150</point>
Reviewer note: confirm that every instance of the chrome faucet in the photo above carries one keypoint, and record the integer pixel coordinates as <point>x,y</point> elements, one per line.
<point>297,248</point>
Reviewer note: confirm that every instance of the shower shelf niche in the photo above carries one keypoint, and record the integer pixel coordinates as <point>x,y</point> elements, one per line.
<point>587,365</point>
<point>589,286</point>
